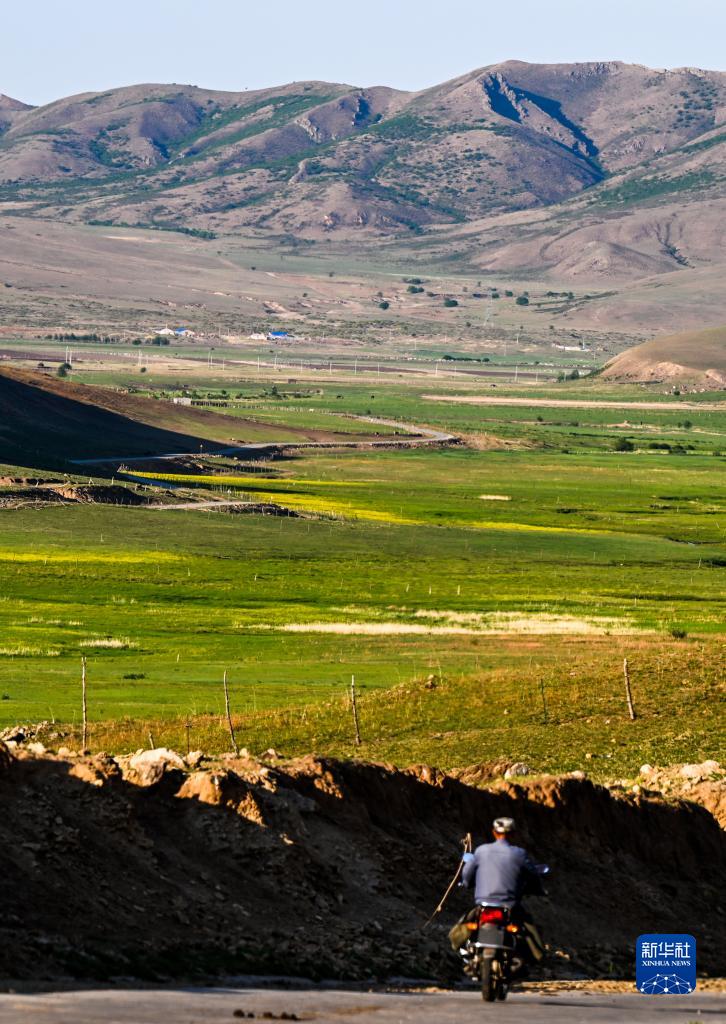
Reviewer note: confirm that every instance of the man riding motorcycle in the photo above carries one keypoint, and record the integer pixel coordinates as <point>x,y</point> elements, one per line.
<point>501,874</point>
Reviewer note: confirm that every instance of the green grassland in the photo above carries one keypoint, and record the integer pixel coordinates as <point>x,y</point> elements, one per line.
<point>700,429</point>
<point>556,704</point>
<point>499,572</point>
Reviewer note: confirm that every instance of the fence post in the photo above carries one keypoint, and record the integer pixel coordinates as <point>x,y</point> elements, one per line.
<point>354,707</point>
<point>544,700</point>
<point>628,692</point>
<point>229,715</point>
<point>84,704</point>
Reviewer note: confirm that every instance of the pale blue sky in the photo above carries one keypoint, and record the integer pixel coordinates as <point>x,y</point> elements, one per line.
<point>54,48</point>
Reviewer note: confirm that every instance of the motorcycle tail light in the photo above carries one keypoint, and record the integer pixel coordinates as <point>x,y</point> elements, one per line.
<point>491,915</point>
<point>512,928</point>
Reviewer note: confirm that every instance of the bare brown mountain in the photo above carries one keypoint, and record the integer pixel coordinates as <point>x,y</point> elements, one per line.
<point>604,177</point>
<point>313,158</point>
<point>9,111</point>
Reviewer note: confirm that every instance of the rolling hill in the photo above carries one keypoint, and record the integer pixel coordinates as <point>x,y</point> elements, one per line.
<point>695,358</point>
<point>46,422</point>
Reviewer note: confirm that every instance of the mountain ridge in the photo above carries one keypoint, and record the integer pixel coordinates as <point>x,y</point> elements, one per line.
<point>621,166</point>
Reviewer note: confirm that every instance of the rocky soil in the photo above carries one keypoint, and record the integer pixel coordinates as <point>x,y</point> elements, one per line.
<point>70,494</point>
<point>156,866</point>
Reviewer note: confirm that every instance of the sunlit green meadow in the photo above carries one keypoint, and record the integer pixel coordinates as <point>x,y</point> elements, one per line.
<point>541,562</point>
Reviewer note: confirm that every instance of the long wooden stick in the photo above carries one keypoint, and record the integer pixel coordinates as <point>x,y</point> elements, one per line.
<point>229,715</point>
<point>628,692</point>
<point>84,703</point>
<point>467,849</point>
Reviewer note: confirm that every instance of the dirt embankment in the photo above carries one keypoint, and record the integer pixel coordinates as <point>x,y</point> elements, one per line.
<point>71,494</point>
<point>697,358</point>
<point>151,867</point>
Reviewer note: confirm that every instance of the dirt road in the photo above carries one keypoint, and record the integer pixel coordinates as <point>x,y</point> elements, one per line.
<point>409,436</point>
<point>213,1006</point>
<point>196,505</point>
<point>578,403</point>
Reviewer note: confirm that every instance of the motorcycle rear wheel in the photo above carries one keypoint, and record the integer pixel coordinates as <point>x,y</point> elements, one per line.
<point>490,979</point>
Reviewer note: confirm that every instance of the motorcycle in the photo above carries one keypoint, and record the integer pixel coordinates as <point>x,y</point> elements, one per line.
<point>496,950</point>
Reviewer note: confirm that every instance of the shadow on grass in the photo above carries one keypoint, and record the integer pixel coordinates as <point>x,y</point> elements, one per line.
<point>43,428</point>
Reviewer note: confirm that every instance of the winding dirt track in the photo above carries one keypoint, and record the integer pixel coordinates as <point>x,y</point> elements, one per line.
<point>417,436</point>
<point>214,1006</point>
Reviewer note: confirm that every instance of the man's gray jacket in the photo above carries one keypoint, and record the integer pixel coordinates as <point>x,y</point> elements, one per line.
<point>499,871</point>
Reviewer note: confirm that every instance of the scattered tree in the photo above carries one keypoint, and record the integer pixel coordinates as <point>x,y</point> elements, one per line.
<point>623,444</point>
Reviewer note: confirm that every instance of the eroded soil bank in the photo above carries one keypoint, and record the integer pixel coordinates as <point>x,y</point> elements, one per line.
<point>150,867</point>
